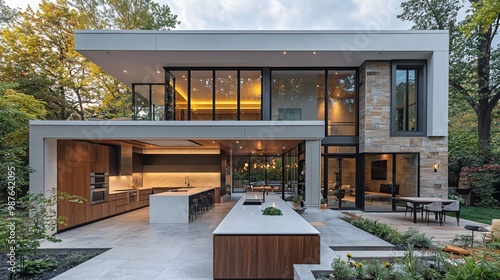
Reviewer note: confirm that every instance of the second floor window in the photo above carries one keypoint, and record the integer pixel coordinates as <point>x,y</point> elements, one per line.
<point>408,99</point>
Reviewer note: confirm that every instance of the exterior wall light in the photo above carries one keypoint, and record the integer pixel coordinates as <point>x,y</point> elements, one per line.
<point>436,166</point>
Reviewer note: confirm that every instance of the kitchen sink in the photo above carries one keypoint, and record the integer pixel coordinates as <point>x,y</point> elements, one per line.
<point>252,201</point>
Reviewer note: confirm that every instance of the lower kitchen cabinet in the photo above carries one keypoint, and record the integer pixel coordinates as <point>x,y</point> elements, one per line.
<point>117,203</point>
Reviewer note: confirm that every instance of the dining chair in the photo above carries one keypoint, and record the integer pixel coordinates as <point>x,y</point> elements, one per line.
<point>409,207</point>
<point>452,207</point>
<point>435,207</point>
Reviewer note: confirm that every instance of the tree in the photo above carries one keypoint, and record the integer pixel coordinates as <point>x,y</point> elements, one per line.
<point>38,55</point>
<point>7,14</point>
<point>126,14</point>
<point>474,62</point>
<point>16,110</point>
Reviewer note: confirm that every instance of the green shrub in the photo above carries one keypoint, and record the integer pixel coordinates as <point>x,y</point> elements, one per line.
<point>417,239</point>
<point>462,240</point>
<point>378,270</point>
<point>78,258</point>
<point>473,268</point>
<point>38,266</point>
<point>482,181</point>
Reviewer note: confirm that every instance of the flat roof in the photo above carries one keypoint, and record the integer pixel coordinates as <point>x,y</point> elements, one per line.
<point>138,56</point>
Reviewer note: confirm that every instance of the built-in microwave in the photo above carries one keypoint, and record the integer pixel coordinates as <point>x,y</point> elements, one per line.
<point>99,187</point>
<point>99,178</point>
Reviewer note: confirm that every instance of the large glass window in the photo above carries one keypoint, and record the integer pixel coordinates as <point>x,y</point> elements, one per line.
<point>149,103</point>
<point>298,94</point>
<point>388,176</point>
<point>180,86</point>
<point>255,172</point>
<point>250,95</point>
<point>201,95</point>
<point>158,102</point>
<point>342,102</point>
<point>408,99</point>
<point>340,181</point>
<point>142,108</point>
<point>226,95</point>
<point>217,94</point>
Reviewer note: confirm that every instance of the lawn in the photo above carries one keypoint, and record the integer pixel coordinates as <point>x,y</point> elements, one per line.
<point>477,214</point>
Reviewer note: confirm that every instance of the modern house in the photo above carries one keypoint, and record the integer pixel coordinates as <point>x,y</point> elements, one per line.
<point>356,117</point>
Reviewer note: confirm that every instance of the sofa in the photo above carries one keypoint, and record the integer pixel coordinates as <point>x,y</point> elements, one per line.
<point>384,192</point>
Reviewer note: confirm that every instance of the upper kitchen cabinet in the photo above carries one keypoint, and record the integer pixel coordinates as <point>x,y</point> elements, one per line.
<point>100,153</point>
<point>72,150</point>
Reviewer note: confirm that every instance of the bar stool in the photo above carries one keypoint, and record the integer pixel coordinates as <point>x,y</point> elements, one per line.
<point>193,209</point>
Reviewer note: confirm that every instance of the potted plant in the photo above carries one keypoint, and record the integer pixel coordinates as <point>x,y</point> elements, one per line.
<point>324,203</point>
<point>297,201</point>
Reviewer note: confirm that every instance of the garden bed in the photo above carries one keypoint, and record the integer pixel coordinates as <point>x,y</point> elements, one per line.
<point>67,259</point>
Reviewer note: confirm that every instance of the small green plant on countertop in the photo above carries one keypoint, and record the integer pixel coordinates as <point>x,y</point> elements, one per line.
<point>272,211</point>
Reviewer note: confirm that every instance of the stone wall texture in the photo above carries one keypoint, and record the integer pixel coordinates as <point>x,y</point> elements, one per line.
<point>375,135</point>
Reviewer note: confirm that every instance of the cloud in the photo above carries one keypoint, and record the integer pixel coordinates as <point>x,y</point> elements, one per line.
<point>285,14</point>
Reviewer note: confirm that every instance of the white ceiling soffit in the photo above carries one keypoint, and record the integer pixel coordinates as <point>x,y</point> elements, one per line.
<point>139,56</point>
<point>170,143</point>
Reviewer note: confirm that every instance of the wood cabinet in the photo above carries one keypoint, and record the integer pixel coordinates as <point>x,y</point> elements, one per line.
<point>75,161</point>
<point>263,256</point>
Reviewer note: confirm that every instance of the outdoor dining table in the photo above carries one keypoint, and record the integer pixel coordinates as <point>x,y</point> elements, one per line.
<point>416,201</point>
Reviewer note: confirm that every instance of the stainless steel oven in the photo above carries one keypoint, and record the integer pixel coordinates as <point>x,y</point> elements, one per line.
<point>99,187</point>
<point>98,195</point>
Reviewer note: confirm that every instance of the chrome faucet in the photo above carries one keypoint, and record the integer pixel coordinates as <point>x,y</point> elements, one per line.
<point>186,181</point>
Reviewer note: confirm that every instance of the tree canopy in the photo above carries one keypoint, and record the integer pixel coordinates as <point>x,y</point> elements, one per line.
<point>474,59</point>
<point>126,14</point>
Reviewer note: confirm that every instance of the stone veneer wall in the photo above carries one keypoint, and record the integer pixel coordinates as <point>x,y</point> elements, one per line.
<point>374,130</point>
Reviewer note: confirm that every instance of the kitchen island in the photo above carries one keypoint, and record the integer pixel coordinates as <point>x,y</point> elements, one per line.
<point>172,207</point>
<point>249,245</point>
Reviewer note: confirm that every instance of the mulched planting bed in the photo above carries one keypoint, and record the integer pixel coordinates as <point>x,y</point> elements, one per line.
<point>67,258</point>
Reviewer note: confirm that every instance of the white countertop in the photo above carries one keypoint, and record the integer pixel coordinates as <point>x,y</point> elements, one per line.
<point>248,219</point>
<point>189,192</point>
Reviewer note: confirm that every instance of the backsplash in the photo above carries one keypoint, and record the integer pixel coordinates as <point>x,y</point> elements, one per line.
<point>178,179</point>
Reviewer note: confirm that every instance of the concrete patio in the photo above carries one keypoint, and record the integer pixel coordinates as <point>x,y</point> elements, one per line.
<point>140,250</point>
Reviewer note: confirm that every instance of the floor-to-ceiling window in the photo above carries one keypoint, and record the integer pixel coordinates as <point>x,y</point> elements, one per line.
<point>388,176</point>
<point>251,172</point>
<point>250,95</point>
<point>149,101</point>
<point>341,102</point>
<point>339,176</point>
<point>201,95</point>
<point>297,94</point>
<point>226,95</point>
<point>179,82</point>
<point>217,94</point>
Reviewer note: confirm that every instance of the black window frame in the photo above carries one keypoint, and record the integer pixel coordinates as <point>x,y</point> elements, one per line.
<point>421,67</point>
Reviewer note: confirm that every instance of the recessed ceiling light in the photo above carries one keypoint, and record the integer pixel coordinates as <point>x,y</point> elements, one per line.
<point>284,52</point>
<point>213,142</point>
<point>283,147</point>
<point>229,76</point>
<point>237,142</point>
<point>158,72</point>
<point>241,147</point>
<point>314,52</point>
<point>124,71</point>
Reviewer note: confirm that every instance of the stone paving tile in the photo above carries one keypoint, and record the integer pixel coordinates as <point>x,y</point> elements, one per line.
<point>184,251</point>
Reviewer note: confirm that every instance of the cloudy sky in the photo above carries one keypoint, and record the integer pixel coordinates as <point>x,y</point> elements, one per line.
<point>279,14</point>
